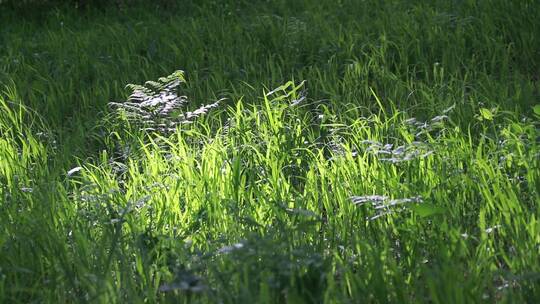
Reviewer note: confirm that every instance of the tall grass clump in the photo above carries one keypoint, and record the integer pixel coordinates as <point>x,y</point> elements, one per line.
<point>338,152</point>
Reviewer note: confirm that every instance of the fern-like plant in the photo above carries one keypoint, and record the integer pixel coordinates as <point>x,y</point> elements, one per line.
<point>158,105</point>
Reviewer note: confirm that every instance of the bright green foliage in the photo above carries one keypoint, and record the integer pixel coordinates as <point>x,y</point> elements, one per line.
<point>400,163</point>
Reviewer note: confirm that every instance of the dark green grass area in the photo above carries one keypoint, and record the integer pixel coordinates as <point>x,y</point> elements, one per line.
<point>397,160</point>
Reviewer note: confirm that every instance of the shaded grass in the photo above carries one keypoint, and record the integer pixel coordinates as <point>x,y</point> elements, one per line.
<point>253,202</point>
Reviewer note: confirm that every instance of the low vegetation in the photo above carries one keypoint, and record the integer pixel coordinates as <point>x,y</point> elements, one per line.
<point>298,151</point>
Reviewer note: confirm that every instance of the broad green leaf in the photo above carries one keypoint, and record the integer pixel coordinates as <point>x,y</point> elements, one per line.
<point>486,114</point>
<point>536,109</point>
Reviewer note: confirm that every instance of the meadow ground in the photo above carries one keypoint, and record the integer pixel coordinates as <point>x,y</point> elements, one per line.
<point>364,151</point>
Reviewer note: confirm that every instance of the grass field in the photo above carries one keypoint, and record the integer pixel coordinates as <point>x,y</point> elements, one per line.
<point>361,151</point>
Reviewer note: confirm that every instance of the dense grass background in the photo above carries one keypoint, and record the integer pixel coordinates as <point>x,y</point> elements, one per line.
<point>255,202</point>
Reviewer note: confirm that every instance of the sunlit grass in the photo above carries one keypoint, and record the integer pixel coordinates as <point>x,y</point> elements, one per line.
<point>371,151</point>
